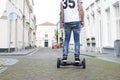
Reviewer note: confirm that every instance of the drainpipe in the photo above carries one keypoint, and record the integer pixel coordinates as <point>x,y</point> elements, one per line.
<point>23,24</point>
<point>16,35</point>
<point>29,32</point>
<point>9,35</point>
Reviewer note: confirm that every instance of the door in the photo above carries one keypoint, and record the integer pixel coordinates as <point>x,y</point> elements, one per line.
<point>46,43</point>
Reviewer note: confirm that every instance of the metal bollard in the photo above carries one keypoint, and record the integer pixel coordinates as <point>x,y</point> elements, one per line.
<point>117,47</point>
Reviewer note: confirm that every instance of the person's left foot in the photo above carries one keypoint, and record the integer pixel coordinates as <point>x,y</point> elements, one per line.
<point>64,59</point>
<point>77,60</point>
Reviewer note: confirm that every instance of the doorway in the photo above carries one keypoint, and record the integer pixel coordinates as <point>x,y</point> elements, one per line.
<point>46,43</point>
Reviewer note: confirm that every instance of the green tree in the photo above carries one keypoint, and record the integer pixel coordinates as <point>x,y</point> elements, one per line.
<point>56,35</point>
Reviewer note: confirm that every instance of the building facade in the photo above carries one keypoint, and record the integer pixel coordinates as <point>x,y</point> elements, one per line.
<point>45,35</point>
<point>17,22</point>
<point>102,25</point>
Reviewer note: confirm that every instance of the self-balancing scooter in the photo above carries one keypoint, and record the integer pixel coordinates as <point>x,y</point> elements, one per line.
<point>61,63</point>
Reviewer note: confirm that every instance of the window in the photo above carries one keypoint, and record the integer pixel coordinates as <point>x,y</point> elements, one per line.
<point>117,18</point>
<point>108,25</point>
<point>88,20</point>
<point>108,16</point>
<point>46,35</point>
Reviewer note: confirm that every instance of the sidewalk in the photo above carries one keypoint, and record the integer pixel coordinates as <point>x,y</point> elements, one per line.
<point>20,53</point>
<point>9,61</point>
<point>5,62</point>
<point>102,56</point>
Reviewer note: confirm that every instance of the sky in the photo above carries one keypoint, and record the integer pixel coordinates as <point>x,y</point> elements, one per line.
<point>47,11</point>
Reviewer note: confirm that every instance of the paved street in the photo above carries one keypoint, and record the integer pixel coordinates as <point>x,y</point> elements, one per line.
<point>41,65</point>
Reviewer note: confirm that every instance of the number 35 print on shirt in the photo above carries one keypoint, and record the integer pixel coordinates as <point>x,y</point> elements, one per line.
<point>71,12</point>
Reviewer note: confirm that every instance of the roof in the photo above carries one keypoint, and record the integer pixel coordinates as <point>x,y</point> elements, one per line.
<point>47,24</point>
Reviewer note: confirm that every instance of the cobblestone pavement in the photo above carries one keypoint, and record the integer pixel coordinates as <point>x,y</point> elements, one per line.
<point>6,62</point>
<point>41,65</point>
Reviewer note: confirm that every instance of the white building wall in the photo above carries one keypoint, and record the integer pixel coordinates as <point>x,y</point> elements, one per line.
<point>3,34</point>
<point>2,6</point>
<point>109,22</point>
<point>15,37</point>
<point>33,27</point>
<point>40,35</point>
<point>103,26</point>
<point>19,33</point>
<point>12,7</point>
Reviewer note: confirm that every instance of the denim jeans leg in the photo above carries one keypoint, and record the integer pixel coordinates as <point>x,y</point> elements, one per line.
<point>67,31</point>
<point>76,33</point>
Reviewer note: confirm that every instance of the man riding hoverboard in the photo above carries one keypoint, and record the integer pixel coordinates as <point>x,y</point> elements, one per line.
<point>71,19</point>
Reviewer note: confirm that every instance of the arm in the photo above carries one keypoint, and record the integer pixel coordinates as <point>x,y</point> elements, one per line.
<point>81,11</point>
<point>61,16</point>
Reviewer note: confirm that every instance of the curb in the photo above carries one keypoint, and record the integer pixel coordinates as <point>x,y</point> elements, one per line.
<point>22,53</point>
<point>88,55</point>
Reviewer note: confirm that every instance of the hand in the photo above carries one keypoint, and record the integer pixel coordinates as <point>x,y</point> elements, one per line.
<point>82,24</point>
<point>62,25</point>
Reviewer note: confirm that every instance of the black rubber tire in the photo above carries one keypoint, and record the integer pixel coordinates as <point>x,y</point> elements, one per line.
<point>58,63</point>
<point>84,63</point>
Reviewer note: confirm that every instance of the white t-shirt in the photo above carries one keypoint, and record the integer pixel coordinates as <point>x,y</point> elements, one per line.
<point>71,12</point>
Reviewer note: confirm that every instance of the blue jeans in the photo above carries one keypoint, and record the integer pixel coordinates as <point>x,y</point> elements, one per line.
<point>68,28</point>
